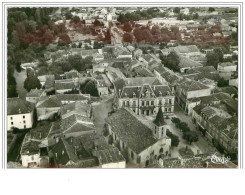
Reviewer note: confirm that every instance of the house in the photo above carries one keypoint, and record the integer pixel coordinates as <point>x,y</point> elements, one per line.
<point>33,153</point>
<point>226,70</point>
<point>186,63</point>
<point>66,85</point>
<point>123,53</point>
<point>20,114</point>
<point>102,87</point>
<point>137,142</point>
<point>188,89</point>
<point>144,95</point>
<point>49,105</point>
<point>98,57</point>
<point>34,95</point>
<point>167,76</point>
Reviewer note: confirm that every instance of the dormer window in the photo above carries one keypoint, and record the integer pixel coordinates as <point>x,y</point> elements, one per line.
<point>160,93</point>
<point>134,95</point>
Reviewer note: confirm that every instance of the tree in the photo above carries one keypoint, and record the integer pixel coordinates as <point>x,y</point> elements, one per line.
<point>176,10</point>
<point>215,57</point>
<point>172,61</point>
<point>174,139</point>
<point>76,19</point>
<point>127,27</point>
<point>127,37</point>
<point>91,88</point>
<point>222,83</point>
<point>195,16</point>
<point>190,136</point>
<point>211,9</point>
<point>32,82</point>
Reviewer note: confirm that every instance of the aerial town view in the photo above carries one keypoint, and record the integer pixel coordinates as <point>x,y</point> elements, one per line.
<point>122,87</point>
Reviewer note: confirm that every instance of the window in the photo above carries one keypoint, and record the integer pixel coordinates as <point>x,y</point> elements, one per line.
<point>24,126</point>
<point>11,118</point>
<point>24,121</point>
<point>123,103</point>
<point>12,123</point>
<point>170,101</point>
<point>162,132</point>
<point>134,103</point>
<point>169,109</point>
<point>24,116</point>
<point>132,154</point>
<point>147,103</point>
<point>143,103</point>
<point>127,103</point>
<point>152,103</point>
<point>166,110</point>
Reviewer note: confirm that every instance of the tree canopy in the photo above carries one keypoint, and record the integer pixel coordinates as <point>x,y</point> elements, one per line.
<point>32,82</point>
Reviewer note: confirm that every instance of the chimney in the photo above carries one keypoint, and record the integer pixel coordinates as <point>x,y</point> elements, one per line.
<point>19,111</point>
<point>56,155</point>
<point>40,135</point>
<point>63,152</point>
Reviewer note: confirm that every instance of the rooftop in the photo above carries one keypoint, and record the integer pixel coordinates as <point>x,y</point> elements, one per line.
<point>35,93</point>
<point>18,106</point>
<point>126,125</point>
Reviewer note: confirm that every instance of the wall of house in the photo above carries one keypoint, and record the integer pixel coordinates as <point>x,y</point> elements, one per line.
<point>163,144</point>
<point>227,68</point>
<point>20,121</point>
<point>28,159</point>
<point>46,113</point>
<point>198,93</point>
<point>102,91</point>
<point>119,165</point>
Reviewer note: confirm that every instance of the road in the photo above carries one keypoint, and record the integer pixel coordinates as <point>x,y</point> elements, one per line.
<point>100,112</point>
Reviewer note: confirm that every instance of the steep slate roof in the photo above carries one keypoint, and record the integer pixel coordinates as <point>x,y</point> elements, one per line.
<point>164,89</point>
<point>18,106</point>
<point>129,91</point>
<point>131,130</point>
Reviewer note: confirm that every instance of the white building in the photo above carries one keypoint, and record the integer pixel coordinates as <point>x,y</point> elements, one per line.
<point>20,114</point>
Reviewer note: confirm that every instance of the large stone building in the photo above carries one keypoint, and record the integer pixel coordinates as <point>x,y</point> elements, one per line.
<point>144,96</point>
<point>138,142</point>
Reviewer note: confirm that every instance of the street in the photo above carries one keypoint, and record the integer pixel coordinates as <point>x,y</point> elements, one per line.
<point>100,112</point>
<point>202,144</point>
